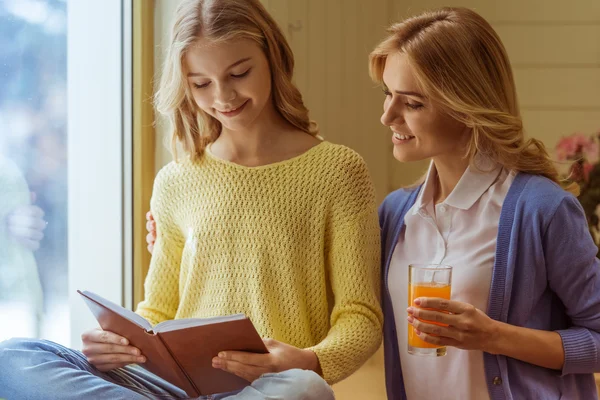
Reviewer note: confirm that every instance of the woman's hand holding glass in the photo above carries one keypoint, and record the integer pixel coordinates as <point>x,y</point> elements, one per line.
<point>468,328</point>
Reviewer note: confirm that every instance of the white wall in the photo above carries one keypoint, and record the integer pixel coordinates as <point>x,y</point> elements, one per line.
<point>554,48</point>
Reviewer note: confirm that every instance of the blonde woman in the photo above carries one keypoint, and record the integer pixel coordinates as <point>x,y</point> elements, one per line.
<point>523,321</point>
<point>258,215</point>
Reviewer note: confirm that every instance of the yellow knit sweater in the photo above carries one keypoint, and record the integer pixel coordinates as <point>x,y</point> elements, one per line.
<point>293,245</point>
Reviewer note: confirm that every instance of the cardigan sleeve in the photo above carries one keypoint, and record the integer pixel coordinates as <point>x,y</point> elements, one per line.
<point>574,275</point>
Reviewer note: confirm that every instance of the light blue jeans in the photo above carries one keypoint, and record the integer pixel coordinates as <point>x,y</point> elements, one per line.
<point>38,369</point>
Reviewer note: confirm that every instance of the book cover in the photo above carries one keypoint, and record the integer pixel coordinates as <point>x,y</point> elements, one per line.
<point>181,351</point>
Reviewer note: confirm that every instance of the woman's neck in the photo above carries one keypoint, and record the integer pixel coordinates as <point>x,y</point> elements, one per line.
<point>449,171</point>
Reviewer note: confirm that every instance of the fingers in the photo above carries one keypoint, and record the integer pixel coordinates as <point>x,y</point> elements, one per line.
<point>247,372</point>
<point>110,359</point>
<point>26,233</point>
<point>434,316</point>
<point>438,340</point>
<point>29,211</point>
<point>106,354</point>
<point>150,238</point>
<point>101,336</point>
<point>27,222</point>
<point>243,357</point>
<point>26,225</point>
<point>151,226</point>
<point>455,307</point>
<point>27,237</point>
<point>103,348</point>
<point>432,329</point>
<point>107,350</point>
<point>36,212</point>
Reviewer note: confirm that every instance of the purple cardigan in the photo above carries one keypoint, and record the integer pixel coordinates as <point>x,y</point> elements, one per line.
<point>546,276</point>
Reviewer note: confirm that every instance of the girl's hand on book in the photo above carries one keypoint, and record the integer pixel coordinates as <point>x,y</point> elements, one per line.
<point>151,228</point>
<point>281,357</point>
<point>107,351</point>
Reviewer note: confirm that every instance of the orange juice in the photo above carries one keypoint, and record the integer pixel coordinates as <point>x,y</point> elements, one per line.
<point>415,291</point>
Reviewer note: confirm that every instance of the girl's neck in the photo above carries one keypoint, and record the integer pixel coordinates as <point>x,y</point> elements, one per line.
<point>269,140</point>
<point>251,143</point>
<point>254,140</point>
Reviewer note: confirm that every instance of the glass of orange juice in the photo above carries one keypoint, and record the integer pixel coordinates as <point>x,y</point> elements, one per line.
<point>427,280</point>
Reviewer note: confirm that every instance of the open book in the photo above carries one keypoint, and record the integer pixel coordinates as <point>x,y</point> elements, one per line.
<point>181,351</point>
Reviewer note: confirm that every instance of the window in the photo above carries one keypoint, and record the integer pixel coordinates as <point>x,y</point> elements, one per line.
<point>64,160</point>
<point>33,169</point>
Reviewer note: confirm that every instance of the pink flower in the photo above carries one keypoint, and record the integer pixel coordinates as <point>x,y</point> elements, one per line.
<point>576,172</point>
<point>577,145</point>
<point>587,168</point>
<point>566,148</point>
<point>592,152</point>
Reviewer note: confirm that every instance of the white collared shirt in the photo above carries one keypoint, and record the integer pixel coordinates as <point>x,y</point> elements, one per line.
<point>461,232</point>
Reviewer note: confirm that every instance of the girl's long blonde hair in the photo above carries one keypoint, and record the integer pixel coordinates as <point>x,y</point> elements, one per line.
<point>223,20</point>
<point>461,64</point>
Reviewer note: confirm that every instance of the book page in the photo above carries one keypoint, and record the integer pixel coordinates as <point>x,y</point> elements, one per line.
<point>175,324</point>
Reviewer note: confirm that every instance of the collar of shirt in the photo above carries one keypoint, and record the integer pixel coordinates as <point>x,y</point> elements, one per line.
<point>475,181</point>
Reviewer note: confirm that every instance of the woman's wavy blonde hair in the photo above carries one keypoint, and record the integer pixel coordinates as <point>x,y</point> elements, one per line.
<point>461,64</point>
<point>223,20</point>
